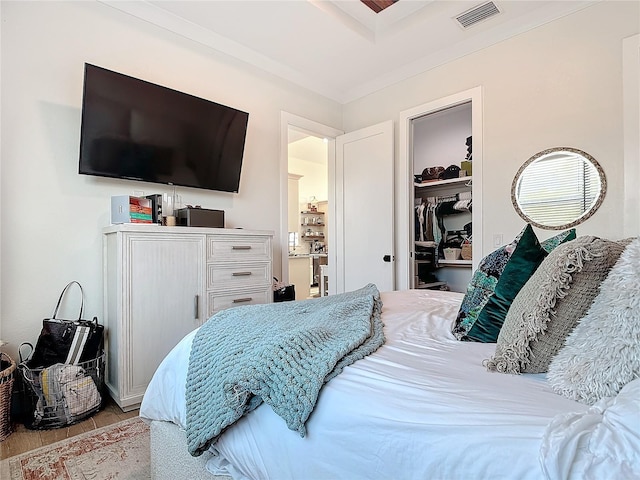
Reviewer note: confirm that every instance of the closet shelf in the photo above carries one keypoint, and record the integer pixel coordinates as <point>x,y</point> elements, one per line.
<point>457,212</point>
<point>430,285</point>
<point>426,244</point>
<point>442,182</point>
<point>455,263</point>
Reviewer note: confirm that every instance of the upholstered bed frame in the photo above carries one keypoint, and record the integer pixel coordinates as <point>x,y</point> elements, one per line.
<point>170,458</point>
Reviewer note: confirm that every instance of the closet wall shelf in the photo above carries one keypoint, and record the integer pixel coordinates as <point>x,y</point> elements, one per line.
<point>443,182</point>
<point>455,263</point>
<point>426,244</point>
<point>457,212</point>
<point>430,285</point>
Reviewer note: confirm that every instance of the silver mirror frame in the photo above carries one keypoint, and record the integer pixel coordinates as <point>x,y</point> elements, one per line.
<point>585,215</point>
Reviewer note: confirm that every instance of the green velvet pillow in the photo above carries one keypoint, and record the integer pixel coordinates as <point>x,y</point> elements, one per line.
<point>525,259</point>
<point>481,287</point>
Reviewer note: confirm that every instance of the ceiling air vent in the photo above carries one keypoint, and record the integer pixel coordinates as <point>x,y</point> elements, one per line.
<point>477,14</point>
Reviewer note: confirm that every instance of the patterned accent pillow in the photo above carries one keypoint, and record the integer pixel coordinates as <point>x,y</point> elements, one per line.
<point>550,304</point>
<point>550,244</point>
<point>602,354</point>
<point>485,278</point>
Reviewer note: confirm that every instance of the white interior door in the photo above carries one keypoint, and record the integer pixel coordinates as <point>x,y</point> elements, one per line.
<point>364,209</point>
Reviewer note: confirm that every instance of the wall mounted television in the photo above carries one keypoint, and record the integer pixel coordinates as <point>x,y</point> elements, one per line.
<point>136,130</point>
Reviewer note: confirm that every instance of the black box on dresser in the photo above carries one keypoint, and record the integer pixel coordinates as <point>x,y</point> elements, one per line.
<point>200,217</point>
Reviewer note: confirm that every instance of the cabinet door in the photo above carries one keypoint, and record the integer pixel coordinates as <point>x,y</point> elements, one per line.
<point>163,291</point>
<point>299,276</point>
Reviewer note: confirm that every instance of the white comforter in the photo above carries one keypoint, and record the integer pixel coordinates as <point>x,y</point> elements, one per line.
<point>421,407</point>
<point>601,443</point>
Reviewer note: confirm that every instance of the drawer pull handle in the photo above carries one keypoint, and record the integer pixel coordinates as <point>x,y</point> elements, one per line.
<point>241,247</point>
<point>241,274</point>
<point>242,300</point>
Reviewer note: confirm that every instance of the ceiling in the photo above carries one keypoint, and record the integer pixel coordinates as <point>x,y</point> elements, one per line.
<point>341,49</point>
<point>309,148</point>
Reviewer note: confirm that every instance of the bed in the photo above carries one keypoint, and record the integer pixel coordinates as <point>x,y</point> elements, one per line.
<point>422,405</point>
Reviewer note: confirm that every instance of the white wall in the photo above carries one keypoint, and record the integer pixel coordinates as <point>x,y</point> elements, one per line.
<point>51,216</point>
<point>557,85</point>
<point>439,139</point>
<point>314,179</point>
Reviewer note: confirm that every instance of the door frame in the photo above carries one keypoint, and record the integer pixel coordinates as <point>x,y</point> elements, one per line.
<point>319,130</point>
<point>404,232</point>
<point>631,112</point>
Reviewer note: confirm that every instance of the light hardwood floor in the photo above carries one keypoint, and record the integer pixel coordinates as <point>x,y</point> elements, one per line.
<point>22,440</point>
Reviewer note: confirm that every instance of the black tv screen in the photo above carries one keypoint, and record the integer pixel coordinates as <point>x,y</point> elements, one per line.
<point>137,130</point>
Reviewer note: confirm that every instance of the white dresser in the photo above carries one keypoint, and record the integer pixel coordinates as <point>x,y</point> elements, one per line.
<point>162,282</point>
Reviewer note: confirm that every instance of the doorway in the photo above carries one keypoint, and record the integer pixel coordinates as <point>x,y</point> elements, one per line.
<point>308,217</point>
<point>308,205</point>
<point>406,237</point>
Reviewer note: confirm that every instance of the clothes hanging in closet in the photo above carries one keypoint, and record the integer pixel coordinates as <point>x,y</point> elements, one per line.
<point>429,215</point>
<point>425,222</point>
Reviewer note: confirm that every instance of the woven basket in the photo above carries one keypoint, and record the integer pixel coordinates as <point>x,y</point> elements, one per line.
<point>466,251</point>
<point>6,387</point>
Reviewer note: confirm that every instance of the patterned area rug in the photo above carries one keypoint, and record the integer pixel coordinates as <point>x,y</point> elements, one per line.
<point>119,451</point>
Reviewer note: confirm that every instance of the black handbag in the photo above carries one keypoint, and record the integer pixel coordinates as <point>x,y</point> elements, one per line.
<point>67,341</point>
<point>285,294</point>
<point>452,171</point>
<point>282,292</point>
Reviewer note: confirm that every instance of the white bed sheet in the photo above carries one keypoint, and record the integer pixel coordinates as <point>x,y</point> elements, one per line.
<point>422,406</point>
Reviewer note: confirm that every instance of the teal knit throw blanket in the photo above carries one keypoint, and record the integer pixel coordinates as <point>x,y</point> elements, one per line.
<point>279,353</point>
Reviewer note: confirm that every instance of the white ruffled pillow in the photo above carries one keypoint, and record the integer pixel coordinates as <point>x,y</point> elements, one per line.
<point>602,354</point>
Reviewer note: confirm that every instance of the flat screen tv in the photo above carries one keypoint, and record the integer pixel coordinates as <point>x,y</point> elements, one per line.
<point>136,130</point>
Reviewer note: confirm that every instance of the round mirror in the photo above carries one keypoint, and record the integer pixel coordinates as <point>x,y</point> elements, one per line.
<point>558,188</point>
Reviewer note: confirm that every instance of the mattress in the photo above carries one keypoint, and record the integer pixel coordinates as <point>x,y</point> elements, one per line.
<point>422,406</point>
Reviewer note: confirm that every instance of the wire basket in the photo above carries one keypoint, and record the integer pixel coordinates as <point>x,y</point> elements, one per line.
<point>62,394</point>
<point>7,366</point>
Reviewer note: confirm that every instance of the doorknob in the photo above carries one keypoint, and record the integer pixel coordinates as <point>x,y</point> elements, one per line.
<point>387,258</point>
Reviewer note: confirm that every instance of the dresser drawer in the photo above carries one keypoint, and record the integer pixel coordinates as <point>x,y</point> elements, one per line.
<point>238,275</point>
<point>231,248</point>
<point>217,301</point>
